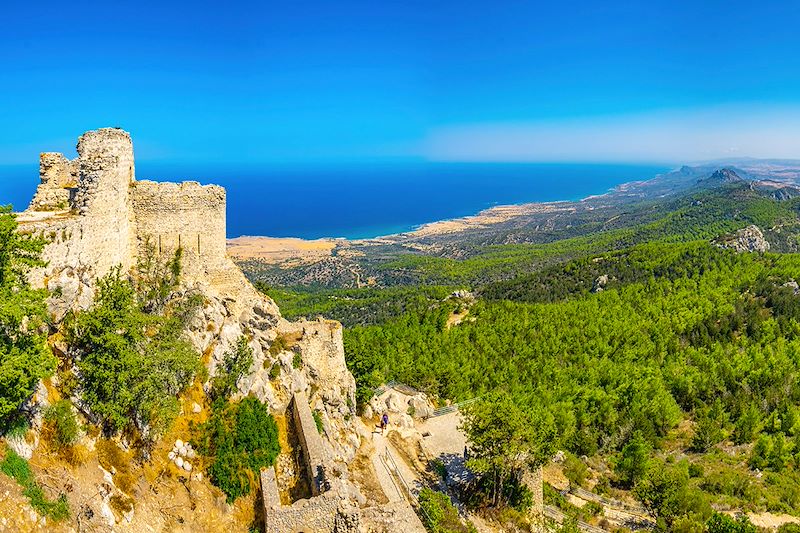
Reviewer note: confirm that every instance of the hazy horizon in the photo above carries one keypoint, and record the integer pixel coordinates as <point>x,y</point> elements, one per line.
<point>369,202</point>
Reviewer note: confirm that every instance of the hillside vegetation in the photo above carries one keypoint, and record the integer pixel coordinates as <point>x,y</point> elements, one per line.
<point>680,369</point>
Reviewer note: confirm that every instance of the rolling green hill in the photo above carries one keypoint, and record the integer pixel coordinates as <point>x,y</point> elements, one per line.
<point>689,347</point>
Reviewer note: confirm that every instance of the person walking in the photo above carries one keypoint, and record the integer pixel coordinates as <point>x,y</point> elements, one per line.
<point>384,422</point>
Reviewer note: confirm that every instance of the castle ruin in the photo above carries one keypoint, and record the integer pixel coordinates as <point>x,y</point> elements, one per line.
<point>97,216</point>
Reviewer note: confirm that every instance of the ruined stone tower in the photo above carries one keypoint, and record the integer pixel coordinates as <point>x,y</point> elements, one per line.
<point>106,173</point>
<point>97,216</point>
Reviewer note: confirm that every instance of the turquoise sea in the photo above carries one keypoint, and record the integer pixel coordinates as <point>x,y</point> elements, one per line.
<point>368,201</point>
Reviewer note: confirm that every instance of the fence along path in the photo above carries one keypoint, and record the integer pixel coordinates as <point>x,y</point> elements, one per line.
<point>633,509</point>
<point>453,407</point>
<point>554,514</point>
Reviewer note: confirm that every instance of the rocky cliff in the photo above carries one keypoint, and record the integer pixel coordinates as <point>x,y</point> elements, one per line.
<point>96,216</point>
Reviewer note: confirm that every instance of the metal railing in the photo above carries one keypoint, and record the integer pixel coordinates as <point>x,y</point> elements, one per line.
<point>396,385</point>
<point>609,502</point>
<point>388,459</point>
<point>555,514</point>
<point>394,472</point>
<point>441,411</point>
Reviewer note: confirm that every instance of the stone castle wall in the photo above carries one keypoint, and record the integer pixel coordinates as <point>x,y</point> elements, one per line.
<point>330,509</point>
<point>59,181</point>
<point>185,215</point>
<point>111,216</point>
<point>105,158</point>
<point>56,171</point>
<point>310,442</point>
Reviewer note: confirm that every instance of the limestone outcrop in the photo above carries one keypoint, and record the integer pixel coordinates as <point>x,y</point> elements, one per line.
<point>749,239</point>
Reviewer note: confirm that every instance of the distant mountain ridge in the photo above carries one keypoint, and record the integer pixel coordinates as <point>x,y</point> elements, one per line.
<point>721,176</point>
<point>780,177</point>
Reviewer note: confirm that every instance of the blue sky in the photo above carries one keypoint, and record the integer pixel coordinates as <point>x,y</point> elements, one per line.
<point>304,83</point>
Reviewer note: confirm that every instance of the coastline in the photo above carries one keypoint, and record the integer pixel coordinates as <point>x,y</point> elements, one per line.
<point>281,250</point>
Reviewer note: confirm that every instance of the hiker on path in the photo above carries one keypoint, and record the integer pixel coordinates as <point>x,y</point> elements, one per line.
<point>384,422</point>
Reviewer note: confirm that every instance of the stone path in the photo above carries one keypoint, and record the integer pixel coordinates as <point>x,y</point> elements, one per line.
<point>387,482</point>
<point>399,507</point>
<point>446,442</point>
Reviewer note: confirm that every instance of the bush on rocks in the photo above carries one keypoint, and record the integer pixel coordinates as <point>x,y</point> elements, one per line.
<point>240,438</point>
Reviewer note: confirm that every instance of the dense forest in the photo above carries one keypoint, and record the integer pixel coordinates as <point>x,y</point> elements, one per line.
<point>671,358</point>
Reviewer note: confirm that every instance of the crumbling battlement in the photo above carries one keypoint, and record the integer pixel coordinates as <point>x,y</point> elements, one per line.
<point>59,182</point>
<point>188,215</point>
<point>96,199</point>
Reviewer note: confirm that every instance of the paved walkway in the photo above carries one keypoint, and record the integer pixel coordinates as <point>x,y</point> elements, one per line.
<point>392,486</point>
<point>444,441</point>
<point>387,482</point>
<point>447,443</point>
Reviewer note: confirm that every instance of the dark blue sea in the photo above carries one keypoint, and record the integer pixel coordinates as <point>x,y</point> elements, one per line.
<point>371,200</point>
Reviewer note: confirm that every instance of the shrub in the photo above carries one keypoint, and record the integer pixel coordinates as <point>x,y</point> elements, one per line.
<point>593,508</point>
<point>297,361</point>
<point>603,486</point>
<point>439,515</point>
<point>632,464</point>
<point>747,425</point>
<point>61,423</point>
<point>275,371</point>
<point>318,421</point>
<point>440,469</point>
<point>708,427</point>
<point>16,427</point>
<point>666,494</point>
<point>575,471</point>
<point>133,363</point>
<point>759,455</point>
<point>720,523</point>
<point>779,453</point>
<point>730,483</point>
<point>241,439</point>
<point>25,357</point>
<point>18,468</point>
<point>695,470</point>
<point>278,345</point>
<point>235,364</point>
<point>570,525</point>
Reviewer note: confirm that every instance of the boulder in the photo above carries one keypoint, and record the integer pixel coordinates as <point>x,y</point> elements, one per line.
<point>368,413</point>
<point>394,404</point>
<point>600,283</point>
<point>378,406</point>
<point>21,446</point>
<point>404,421</point>
<point>420,406</point>
<point>749,239</point>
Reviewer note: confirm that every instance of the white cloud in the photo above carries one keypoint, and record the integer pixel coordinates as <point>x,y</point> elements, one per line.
<point>663,136</point>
